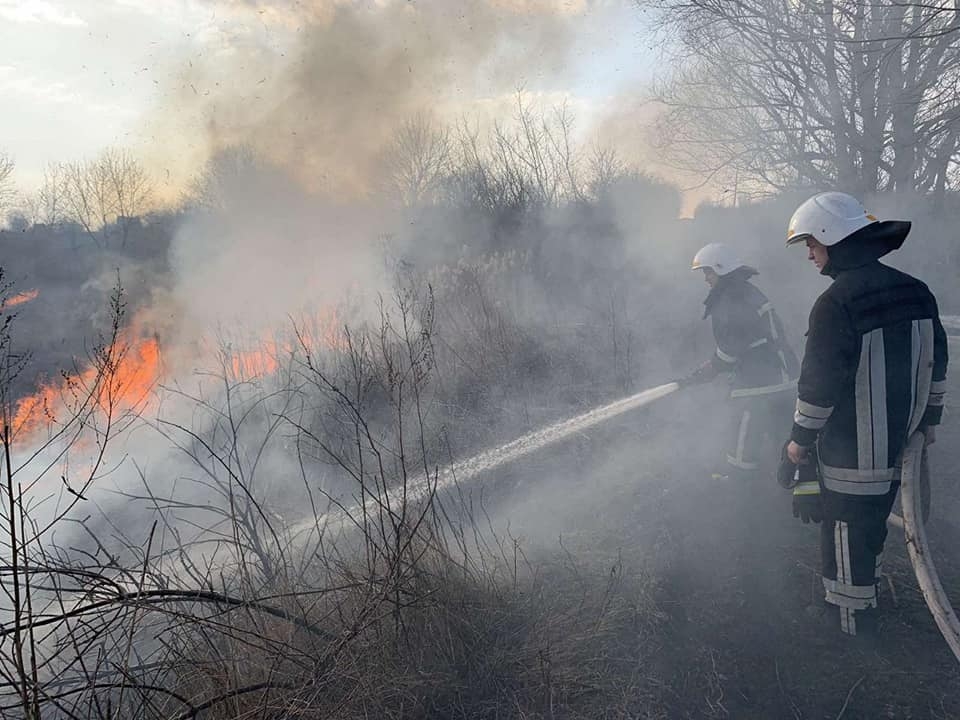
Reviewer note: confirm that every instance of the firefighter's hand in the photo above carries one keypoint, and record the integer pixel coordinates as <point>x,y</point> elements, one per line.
<point>703,374</point>
<point>786,470</point>
<point>797,453</point>
<point>929,435</point>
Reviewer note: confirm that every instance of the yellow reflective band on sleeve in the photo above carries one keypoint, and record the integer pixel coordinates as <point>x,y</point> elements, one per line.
<point>807,488</point>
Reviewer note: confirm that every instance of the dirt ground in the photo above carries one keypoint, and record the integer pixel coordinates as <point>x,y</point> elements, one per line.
<point>738,577</point>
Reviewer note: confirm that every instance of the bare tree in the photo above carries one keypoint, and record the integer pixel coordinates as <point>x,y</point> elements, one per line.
<point>50,202</point>
<point>46,206</point>
<point>7,192</point>
<point>88,200</point>
<point>529,162</point>
<point>781,94</point>
<point>606,168</point>
<point>234,176</point>
<point>537,155</point>
<point>100,195</point>
<point>130,187</point>
<point>416,161</point>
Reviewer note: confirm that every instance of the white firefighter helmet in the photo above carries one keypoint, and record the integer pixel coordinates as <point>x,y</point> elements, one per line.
<point>828,217</point>
<point>718,257</point>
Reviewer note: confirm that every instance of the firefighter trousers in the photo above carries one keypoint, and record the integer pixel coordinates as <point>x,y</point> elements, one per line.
<point>851,546</point>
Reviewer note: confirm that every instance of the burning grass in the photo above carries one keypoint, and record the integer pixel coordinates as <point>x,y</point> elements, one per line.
<point>19,299</point>
<point>127,379</point>
<point>125,384</point>
<point>198,601</point>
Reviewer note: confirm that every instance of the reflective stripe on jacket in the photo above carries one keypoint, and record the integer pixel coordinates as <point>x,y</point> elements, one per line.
<point>750,339</point>
<point>873,372</point>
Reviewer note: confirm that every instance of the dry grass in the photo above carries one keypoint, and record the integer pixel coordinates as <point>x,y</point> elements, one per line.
<point>406,605</point>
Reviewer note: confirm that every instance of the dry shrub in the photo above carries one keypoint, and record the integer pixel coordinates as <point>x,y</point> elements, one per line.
<point>390,600</point>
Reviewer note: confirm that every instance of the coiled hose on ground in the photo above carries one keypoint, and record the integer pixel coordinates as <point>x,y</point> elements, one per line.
<point>912,522</point>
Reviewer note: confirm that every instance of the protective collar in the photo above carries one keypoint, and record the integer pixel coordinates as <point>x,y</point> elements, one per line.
<point>866,245</point>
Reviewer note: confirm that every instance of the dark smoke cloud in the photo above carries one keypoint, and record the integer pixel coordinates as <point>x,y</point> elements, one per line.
<point>322,91</point>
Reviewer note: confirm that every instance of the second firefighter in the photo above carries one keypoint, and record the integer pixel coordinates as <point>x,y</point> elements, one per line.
<point>752,349</point>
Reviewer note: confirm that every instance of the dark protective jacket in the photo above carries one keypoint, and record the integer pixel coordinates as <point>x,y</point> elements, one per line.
<point>750,338</point>
<point>874,367</point>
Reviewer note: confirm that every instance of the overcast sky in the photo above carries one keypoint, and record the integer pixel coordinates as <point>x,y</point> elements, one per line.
<point>77,76</point>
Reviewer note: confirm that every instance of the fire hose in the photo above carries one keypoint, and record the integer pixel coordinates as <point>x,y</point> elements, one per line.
<point>915,534</point>
<point>913,496</point>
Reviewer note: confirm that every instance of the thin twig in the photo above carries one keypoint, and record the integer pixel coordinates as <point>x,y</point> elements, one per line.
<point>850,695</point>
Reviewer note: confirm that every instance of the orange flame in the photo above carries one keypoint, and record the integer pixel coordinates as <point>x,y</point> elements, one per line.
<point>249,364</point>
<point>19,299</point>
<point>121,381</point>
<point>266,356</point>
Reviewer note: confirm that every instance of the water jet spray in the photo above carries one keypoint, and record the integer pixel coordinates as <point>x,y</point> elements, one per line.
<point>467,470</point>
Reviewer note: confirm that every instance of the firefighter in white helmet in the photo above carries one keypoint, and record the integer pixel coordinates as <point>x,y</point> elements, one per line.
<point>751,347</point>
<point>873,372</point>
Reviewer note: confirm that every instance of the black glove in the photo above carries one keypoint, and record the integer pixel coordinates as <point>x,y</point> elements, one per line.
<point>803,478</point>
<point>807,504</point>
